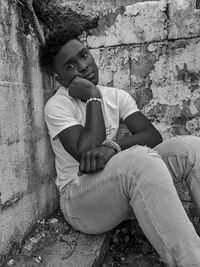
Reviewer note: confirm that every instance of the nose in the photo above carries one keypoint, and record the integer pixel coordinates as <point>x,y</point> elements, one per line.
<point>82,65</point>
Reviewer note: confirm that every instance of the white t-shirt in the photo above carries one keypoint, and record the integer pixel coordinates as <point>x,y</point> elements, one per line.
<point>62,111</point>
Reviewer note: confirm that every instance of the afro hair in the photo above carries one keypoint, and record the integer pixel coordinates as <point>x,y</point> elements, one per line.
<point>54,41</point>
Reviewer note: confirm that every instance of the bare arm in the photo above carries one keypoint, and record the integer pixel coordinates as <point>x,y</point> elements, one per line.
<point>83,143</point>
<point>143,132</point>
<point>78,139</point>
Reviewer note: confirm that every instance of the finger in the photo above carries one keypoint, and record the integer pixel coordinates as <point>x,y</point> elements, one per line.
<point>87,162</point>
<point>82,164</point>
<point>100,163</point>
<point>93,160</point>
<point>80,173</point>
<point>72,84</point>
<point>74,79</point>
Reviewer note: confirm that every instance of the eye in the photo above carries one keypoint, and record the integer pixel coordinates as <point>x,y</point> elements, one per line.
<point>69,67</point>
<point>84,54</point>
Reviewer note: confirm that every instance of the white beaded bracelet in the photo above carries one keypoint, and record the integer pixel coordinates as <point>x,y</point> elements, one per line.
<point>112,144</point>
<point>93,99</point>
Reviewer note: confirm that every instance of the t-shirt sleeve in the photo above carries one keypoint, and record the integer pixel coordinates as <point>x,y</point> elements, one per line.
<point>127,104</point>
<point>59,114</point>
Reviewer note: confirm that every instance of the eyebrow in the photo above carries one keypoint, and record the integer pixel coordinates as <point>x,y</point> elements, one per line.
<point>72,59</point>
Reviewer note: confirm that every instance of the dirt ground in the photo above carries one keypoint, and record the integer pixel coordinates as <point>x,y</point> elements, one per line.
<point>128,245</point>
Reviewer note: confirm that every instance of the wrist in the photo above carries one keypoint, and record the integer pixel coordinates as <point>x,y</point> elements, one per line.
<point>112,144</point>
<point>93,99</point>
<point>95,93</point>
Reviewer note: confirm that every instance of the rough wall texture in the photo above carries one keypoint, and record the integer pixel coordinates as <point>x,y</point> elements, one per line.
<point>27,191</point>
<point>152,50</point>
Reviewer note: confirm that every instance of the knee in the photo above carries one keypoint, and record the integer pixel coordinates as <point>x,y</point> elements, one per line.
<point>178,146</point>
<point>144,167</point>
<point>138,158</point>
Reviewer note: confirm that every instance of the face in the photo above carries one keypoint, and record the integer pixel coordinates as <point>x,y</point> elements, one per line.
<point>73,60</point>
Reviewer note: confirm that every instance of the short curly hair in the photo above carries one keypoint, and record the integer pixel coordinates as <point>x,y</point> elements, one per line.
<point>55,40</point>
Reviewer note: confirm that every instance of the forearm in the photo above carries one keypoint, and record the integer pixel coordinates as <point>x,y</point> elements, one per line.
<point>150,138</point>
<point>93,133</point>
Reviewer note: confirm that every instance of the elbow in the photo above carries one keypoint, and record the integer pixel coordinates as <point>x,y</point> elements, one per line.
<point>154,137</point>
<point>158,138</point>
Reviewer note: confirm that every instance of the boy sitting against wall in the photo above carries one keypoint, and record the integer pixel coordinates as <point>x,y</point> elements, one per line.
<point>103,180</point>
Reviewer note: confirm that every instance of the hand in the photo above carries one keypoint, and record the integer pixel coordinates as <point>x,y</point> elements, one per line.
<point>82,89</point>
<point>95,160</point>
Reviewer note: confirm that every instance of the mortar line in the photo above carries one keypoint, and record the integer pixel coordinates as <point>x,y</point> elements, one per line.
<point>150,42</point>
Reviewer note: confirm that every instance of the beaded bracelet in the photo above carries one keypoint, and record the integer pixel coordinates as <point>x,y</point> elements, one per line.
<point>93,99</point>
<point>112,144</point>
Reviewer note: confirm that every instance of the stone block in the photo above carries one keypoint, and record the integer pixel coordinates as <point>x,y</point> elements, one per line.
<point>138,23</point>
<point>184,19</point>
<point>175,75</point>
<point>142,60</point>
<point>175,85</point>
<point>114,67</point>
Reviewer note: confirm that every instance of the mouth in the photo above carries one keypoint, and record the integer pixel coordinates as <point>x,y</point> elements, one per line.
<point>89,76</point>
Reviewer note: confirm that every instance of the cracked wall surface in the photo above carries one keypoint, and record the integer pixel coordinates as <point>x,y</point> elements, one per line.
<point>151,49</point>
<point>27,190</point>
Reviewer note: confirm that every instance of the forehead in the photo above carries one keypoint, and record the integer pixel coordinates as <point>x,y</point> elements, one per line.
<point>68,51</point>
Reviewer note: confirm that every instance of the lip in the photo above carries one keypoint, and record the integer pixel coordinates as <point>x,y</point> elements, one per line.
<point>89,75</point>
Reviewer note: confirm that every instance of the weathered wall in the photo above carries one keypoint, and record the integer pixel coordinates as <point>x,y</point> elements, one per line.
<point>27,191</point>
<point>152,49</point>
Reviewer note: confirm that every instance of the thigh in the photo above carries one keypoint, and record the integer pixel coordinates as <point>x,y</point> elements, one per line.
<point>181,155</point>
<point>96,203</point>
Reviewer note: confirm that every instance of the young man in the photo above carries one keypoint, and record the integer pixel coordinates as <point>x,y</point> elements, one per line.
<point>101,180</point>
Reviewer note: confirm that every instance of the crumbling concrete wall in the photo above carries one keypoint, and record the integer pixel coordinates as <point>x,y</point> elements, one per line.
<point>152,50</point>
<point>27,190</point>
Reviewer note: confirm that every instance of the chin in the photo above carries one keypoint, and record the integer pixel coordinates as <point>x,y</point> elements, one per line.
<point>94,81</point>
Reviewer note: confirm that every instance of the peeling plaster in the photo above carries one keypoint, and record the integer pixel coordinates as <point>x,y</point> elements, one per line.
<point>144,48</point>
<point>175,77</point>
<point>141,22</point>
<point>193,126</point>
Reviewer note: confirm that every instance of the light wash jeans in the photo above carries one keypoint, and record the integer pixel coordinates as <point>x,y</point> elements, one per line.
<point>138,180</point>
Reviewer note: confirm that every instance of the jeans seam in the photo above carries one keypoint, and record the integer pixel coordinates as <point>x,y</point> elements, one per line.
<point>178,155</point>
<point>196,177</point>
<point>161,236</point>
<point>183,157</point>
<point>104,181</point>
